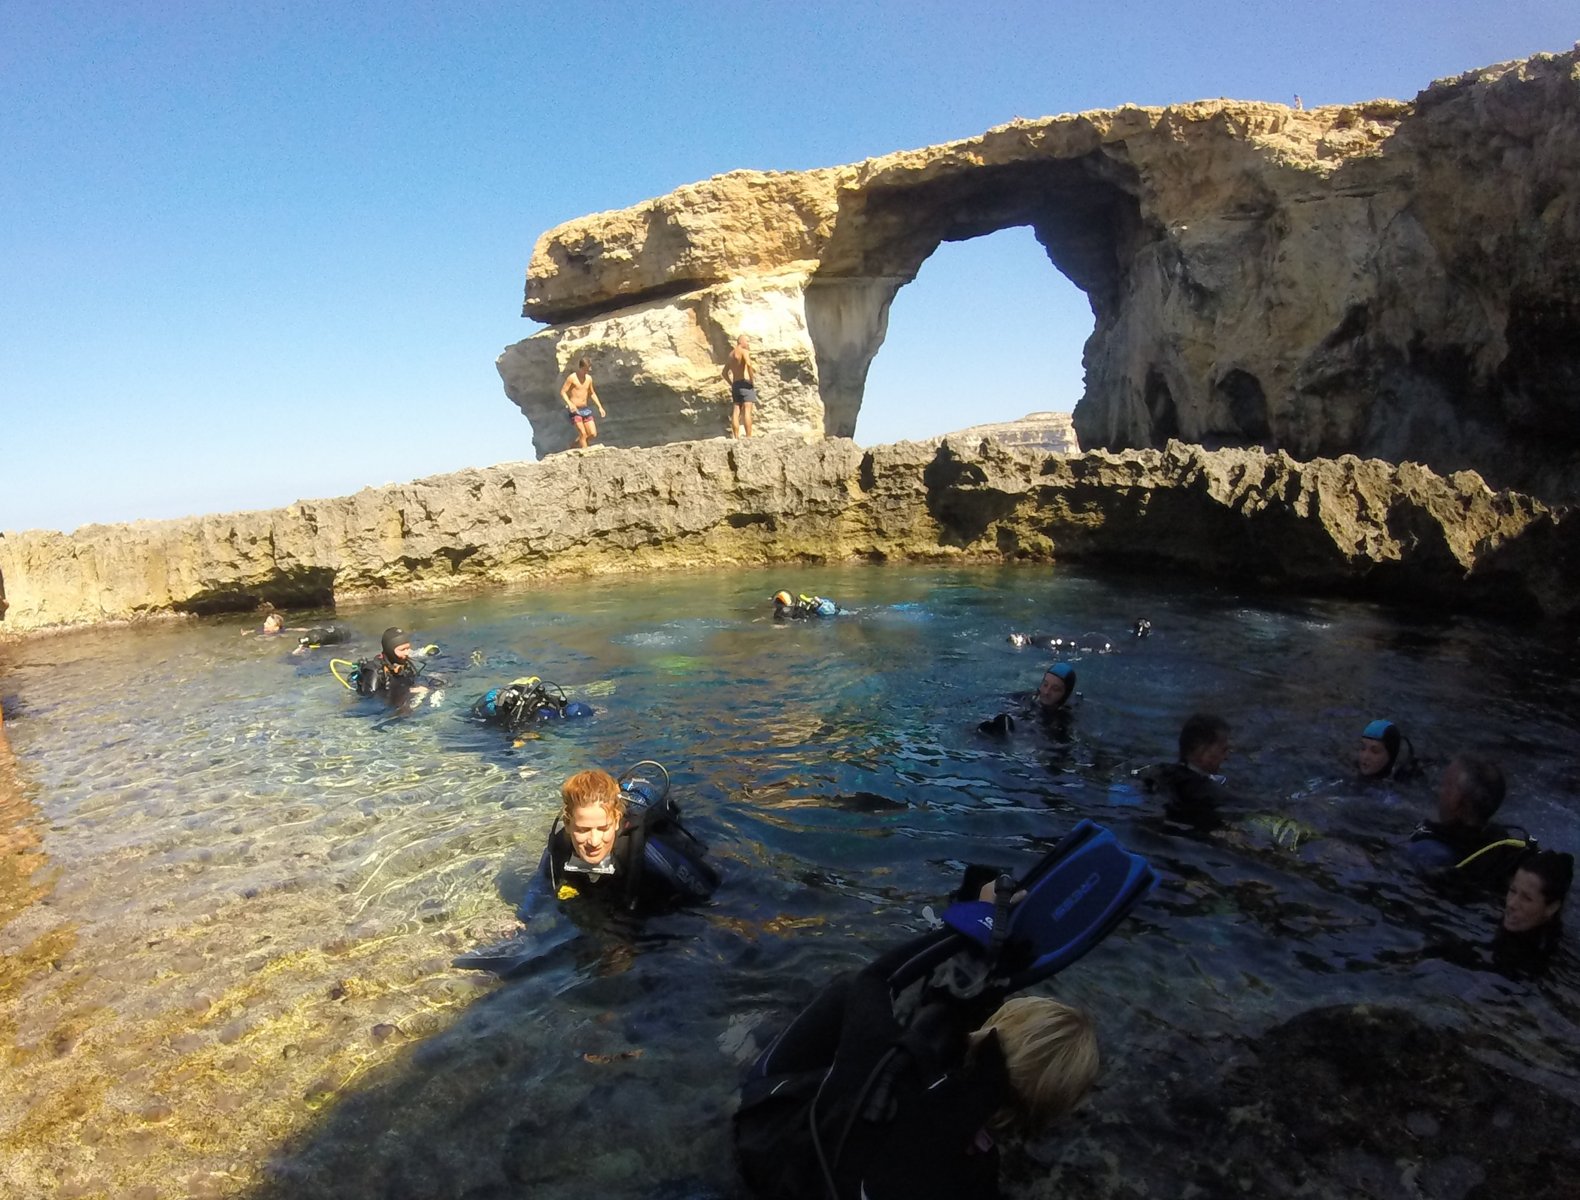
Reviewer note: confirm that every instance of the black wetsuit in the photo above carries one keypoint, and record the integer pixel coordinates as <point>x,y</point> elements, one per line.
<point>391,680</point>
<point>899,1112</point>
<point>805,608</point>
<point>519,705</point>
<point>1189,796</point>
<point>1528,952</point>
<point>324,635</point>
<point>1455,852</point>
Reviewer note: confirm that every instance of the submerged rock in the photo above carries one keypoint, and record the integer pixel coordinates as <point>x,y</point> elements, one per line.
<point>1347,526</point>
<point>1354,1100</point>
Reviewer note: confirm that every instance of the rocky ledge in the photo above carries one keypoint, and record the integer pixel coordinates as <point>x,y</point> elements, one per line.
<point>1246,517</point>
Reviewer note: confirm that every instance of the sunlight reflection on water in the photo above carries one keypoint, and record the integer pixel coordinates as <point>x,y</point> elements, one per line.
<point>238,979</point>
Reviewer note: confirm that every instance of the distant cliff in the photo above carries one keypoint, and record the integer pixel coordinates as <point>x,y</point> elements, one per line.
<point>1398,279</point>
<point>1242,516</point>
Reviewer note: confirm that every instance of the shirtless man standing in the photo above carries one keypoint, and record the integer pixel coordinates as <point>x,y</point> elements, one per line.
<point>577,391</point>
<point>739,375</point>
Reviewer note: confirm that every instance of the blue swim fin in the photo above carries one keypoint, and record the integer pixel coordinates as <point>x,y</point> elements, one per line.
<point>1075,897</point>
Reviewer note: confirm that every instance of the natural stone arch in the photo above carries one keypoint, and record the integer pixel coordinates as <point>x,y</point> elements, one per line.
<point>1081,213</point>
<point>1391,278</point>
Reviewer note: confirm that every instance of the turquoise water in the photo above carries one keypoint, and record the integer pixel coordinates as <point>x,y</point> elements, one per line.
<point>231,976</point>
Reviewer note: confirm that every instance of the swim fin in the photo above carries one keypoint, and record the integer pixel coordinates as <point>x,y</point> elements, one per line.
<point>1075,897</point>
<point>511,958</point>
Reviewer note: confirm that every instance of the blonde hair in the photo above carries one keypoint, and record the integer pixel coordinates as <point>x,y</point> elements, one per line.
<point>1050,1050</point>
<point>591,787</point>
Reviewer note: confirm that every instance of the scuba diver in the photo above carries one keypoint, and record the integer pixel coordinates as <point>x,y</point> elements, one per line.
<point>888,1083</point>
<point>1053,693</point>
<point>525,702</point>
<point>1378,756</point>
<point>321,635</point>
<point>1192,788</point>
<point>617,841</point>
<point>802,607</point>
<point>1532,920</point>
<point>1464,845</point>
<point>1089,643</point>
<point>273,625</point>
<point>394,674</point>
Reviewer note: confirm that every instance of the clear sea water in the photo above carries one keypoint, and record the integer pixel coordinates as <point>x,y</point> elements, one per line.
<point>232,890</point>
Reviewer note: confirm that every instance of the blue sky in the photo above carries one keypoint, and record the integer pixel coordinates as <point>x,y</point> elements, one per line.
<point>255,253</point>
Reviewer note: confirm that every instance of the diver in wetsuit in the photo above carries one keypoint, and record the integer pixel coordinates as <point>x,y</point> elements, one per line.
<point>624,844</point>
<point>525,702</point>
<point>617,842</point>
<point>850,1104</point>
<point>394,673</point>
<point>1044,705</point>
<point>1192,789</point>
<point>1464,844</point>
<point>802,607</point>
<point>1377,759</point>
<point>1532,922</point>
<point>321,635</point>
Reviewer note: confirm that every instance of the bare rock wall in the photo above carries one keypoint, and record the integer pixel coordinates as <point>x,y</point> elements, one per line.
<point>1245,517</point>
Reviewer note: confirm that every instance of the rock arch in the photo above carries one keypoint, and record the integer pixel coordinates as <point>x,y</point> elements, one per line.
<point>1392,278</point>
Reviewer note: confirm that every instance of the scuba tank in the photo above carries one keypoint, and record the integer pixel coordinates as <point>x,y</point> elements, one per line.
<point>645,793</point>
<point>664,848</point>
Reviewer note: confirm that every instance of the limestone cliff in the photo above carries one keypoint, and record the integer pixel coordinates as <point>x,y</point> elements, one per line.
<point>1398,279</point>
<point>1242,516</point>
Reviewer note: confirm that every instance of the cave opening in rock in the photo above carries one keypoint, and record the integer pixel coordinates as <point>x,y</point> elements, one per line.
<point>988,331</point>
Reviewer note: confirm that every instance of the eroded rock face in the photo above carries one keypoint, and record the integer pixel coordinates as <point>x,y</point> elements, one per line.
<point>1399,279</point>
<point>1348,526</point>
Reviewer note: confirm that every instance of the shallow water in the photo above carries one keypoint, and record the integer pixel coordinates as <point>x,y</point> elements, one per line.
<point>233,890</point>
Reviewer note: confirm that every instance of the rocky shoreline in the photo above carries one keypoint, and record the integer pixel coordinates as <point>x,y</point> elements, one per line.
<point>1346,526</point>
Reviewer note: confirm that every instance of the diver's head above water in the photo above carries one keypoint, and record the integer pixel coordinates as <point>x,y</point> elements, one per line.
<point>593,808</point>
<point>1057,686</point>
<point>1379,750</point>
<point>396,644</point>
<point>1538,890</point>
<point>1204,742</point>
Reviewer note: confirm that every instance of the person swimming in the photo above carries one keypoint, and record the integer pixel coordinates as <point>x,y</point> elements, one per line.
<point>525,702</point>
<point>800,608</point>
<point>1463,844</point>
<point>1532,921</point>
<point>1054,691</point>
<point>1378,755</point>
<point>799,1132</point>
<point>1192,787</point>
<point>624,843</point>
<point>617,842</point>
<point>394,674</point>
<point>321,635</point>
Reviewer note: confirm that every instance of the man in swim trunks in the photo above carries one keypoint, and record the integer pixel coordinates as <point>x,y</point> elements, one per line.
<point>580,395</point>
<point>741,376</point>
